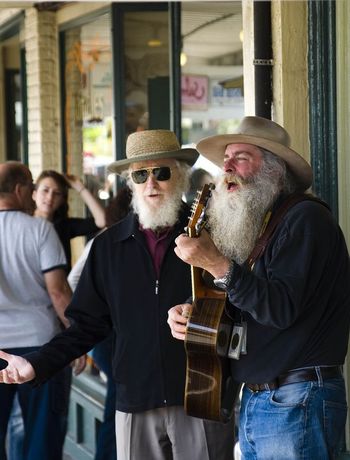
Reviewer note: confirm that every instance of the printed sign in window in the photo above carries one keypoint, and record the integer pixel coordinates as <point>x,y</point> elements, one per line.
<point>194,92</point>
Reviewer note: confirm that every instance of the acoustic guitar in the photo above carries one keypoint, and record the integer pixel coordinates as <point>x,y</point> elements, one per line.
<point>210,391</point>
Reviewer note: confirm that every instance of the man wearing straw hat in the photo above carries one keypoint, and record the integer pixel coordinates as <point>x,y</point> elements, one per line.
<point>131,278</point>
<point>288,296</point>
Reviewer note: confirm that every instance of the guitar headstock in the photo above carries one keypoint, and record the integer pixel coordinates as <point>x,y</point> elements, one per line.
<point>199,206</point>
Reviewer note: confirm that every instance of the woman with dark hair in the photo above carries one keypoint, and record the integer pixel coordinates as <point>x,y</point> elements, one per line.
<point>51,199</point>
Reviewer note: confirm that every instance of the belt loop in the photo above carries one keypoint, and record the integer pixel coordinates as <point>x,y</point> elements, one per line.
<point>319,376</point>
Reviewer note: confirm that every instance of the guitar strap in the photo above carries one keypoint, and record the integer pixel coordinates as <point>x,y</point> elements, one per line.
<point>273,219</point>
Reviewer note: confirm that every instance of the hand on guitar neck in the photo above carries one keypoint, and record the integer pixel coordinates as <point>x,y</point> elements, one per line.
<point>202,252</point>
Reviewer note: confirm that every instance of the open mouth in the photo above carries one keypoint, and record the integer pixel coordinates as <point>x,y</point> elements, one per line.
<point>234,182</point>
<point>233,185</point>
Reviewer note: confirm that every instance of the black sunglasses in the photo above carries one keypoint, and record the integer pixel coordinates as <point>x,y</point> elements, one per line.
<point>161,173</point>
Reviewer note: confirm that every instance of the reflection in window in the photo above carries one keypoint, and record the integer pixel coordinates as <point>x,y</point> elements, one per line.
<point>14,115</point>
<point>146,71</point>
<point>211,69</point>
<point>88,104</point>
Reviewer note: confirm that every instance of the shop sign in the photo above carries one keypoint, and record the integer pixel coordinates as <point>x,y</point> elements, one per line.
<point>194,92</point>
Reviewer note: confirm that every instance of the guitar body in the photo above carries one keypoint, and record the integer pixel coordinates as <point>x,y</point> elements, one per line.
<point>210,392</point>
<point>208,375</point>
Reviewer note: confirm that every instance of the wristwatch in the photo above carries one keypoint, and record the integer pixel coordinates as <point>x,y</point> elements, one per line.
<point>224,281</point>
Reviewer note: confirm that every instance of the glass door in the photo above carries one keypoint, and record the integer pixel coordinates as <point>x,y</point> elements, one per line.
<point>211,70</point>
<point>15,103</point>
<point>88,110</point>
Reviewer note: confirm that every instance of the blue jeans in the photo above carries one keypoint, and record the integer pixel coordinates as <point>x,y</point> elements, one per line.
<point>299,421</point>
<point>15,432</point>
<point>45,414</point>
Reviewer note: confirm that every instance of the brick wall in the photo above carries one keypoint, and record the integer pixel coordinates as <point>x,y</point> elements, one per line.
<point>41,44</point>
<point>44,124</point>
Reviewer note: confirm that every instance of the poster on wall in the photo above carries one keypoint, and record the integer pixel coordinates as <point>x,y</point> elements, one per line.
<point>194,92</point>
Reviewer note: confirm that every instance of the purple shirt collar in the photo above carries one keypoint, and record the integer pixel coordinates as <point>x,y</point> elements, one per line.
<point>157,244</point>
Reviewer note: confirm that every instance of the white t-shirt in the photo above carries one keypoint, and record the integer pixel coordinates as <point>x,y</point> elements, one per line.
<point>29,247</point>
<point>74,274</point>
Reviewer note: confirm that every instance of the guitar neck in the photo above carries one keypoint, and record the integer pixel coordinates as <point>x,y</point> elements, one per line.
<point>199,288</point>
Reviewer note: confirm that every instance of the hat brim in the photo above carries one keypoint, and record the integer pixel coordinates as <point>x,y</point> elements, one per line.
<point>213,148</point>
<point>187,155</point>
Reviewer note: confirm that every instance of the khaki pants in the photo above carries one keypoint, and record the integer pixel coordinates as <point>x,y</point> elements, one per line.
<point>169,434</point>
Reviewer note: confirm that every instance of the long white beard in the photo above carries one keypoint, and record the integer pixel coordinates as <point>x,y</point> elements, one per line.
<point>235,219</point>
<point>162,216</point>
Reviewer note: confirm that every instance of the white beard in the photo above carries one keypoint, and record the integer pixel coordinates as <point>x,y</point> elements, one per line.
<point>162,216</point>
<point>235,219</point>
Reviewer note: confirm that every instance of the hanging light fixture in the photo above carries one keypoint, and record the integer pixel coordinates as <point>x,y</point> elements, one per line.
<point>154,41</point>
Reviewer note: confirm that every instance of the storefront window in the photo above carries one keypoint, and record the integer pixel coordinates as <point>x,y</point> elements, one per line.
<point>88,103</point>
<point>10,57</point>
<point>211,69</point>
<point>146,71</point>
<point>14,116</point>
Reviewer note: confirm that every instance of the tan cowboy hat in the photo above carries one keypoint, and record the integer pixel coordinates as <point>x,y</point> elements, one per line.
<point>263,133</point>
<point>153,145</point>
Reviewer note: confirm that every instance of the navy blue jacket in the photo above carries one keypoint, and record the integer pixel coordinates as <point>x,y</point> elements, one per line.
<point>119,290</point>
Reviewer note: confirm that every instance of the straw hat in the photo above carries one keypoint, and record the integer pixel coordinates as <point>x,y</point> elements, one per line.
<point>263,133</point>
<point>153,145</point>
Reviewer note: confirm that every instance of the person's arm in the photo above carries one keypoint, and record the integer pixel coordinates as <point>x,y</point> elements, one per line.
<point>59,291</point>
<point>61,294</point>
<point>91,202</point>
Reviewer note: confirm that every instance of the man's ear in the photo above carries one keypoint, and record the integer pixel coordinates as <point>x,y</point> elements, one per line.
<point>17,190</point>
<point>16,196</point>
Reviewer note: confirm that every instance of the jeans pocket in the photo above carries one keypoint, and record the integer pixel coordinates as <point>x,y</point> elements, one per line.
<point>294,394</point>
<point>334,418</point>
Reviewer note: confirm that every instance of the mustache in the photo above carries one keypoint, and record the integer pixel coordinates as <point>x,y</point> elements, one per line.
<point>152,192</point>
<point>235,179</point>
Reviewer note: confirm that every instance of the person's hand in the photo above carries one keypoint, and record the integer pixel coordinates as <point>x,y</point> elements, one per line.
<point>202,252</point>
<point>18,369</point>
<point>79,364</point>
<point>75,182</point>
<point>177,320</point>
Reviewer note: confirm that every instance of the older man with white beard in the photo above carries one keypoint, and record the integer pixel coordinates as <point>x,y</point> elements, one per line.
<point>283,262</point>
<point>130,280</point>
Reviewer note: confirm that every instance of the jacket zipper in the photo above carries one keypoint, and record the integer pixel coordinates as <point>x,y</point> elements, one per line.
<point>156,291</point>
